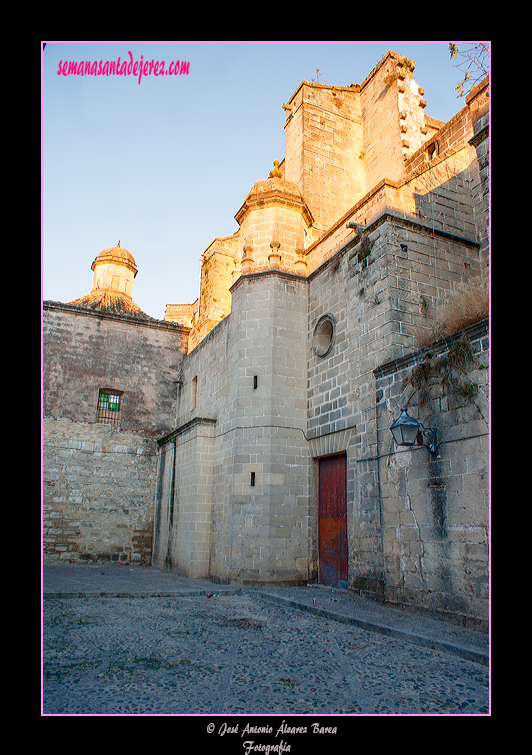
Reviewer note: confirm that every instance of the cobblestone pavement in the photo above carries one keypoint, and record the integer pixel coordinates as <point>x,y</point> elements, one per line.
<point>237,654</point>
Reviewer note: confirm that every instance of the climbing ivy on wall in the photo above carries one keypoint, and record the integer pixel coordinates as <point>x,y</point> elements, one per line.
<point>449,370</point>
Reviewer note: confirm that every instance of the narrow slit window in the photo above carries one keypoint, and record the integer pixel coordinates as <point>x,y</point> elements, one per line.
<point>194,397</point>
<point>109,406</point>
<point>431,151</point>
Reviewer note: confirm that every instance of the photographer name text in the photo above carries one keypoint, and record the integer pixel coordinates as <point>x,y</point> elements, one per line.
<point>250,746</point>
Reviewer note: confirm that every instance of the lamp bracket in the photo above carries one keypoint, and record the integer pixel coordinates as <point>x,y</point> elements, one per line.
<point>432,445</point>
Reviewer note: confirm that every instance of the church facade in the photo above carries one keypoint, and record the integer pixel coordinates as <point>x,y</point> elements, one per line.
<point>266,405</point>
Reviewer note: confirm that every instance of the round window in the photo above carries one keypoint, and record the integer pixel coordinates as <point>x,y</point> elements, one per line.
<point>322,340</point>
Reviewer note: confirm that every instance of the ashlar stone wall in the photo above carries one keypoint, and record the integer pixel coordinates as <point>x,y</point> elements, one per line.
<point>435,509</point>
<point>378,290</point>
<point>240,470</point>
<point>98,493</point>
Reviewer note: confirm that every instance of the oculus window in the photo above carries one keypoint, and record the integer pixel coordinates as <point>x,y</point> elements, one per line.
<point>323,338</point>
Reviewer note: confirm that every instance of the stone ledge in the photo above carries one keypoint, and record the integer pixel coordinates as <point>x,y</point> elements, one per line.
<point>195,422</point>
<point>472,331</point>
<point>265,272</point>
<point>55,306</point>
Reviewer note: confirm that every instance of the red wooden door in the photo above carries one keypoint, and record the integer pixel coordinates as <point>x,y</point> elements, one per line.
<point>332,525</point>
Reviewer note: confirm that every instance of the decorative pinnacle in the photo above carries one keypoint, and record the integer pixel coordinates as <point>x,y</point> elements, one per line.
<point>275,173</point>
<point>248,247</point>
<point>275,243</point>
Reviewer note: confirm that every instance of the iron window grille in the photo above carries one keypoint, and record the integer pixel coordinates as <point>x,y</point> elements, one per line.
<point>109,405</point>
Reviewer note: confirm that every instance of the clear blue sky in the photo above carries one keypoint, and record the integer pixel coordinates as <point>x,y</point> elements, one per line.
<point>164,165</point>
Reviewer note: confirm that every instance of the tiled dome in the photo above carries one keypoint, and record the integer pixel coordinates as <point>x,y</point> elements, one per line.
<point>118,255</point>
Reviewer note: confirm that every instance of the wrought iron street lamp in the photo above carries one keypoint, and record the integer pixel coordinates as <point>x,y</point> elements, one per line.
<point>407,431</point>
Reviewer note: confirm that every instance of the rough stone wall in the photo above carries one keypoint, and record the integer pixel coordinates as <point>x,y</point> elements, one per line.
<point>99,480</point>
<point>435,509</point>
<point>98,493</point>
<point>85,351</point>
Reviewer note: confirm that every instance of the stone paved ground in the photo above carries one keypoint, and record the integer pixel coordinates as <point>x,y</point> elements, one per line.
<point>239,654</point>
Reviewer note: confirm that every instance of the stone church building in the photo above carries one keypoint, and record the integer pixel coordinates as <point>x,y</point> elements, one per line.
<point>246,437</point>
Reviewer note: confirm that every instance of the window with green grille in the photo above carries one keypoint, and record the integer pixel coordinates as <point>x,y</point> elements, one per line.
<point>109,402</point>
